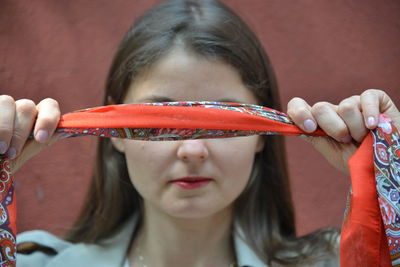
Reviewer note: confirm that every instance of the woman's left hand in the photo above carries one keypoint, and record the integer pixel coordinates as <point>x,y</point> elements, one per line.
<point>346,124</point>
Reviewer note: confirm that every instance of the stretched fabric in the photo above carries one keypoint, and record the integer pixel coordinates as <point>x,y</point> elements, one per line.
<point>371,231</point>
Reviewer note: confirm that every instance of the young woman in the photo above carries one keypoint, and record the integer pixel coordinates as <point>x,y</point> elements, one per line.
<point>139,210</point>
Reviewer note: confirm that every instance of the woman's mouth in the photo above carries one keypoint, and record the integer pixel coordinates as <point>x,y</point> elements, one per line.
<point>191,182</point>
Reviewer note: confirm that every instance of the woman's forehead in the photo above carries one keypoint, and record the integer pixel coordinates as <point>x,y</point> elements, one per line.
<point>182,75</point>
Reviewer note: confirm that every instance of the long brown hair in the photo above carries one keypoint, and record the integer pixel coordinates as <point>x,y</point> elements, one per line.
<point>264,210</point>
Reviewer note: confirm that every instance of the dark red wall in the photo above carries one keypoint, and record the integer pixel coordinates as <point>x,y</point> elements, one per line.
<point>321,50</point>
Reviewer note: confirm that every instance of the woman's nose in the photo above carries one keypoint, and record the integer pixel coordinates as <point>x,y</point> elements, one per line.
<point>193,150</point>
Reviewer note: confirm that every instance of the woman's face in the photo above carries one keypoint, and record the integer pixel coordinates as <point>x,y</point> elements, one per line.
<point>190,178</point>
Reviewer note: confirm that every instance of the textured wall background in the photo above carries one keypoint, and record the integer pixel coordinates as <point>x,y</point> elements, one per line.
<point>321,50</point>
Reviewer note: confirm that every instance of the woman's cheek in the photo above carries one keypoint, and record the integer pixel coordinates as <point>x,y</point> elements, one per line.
<point>146,162</point>
<point>237,160</point>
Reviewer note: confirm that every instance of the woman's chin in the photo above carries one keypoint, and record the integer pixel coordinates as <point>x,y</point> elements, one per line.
<point>193,208</point>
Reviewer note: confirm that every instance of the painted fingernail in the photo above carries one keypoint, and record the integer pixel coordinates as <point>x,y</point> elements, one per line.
<point>3,147</point>
<point>309,125</point>
<point>41,136</point>
<point>371,121</point>
<point>11,153</point>
<point>346,139</point>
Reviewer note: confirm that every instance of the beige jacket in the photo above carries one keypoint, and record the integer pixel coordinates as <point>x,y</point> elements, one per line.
<point>109,253</point>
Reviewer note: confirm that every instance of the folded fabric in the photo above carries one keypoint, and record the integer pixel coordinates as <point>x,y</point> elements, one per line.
<point>371,231</point>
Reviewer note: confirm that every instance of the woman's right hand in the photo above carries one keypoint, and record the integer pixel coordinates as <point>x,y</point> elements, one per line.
<point>18,119</point>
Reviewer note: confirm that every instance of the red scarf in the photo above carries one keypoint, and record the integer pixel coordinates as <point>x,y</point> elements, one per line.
<point>371,230</point>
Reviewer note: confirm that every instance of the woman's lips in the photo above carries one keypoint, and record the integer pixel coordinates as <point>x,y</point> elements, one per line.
<point>191,182</point>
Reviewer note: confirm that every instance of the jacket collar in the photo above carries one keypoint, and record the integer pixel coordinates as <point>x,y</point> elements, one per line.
<point>244,254</point>
<point>112,251</point>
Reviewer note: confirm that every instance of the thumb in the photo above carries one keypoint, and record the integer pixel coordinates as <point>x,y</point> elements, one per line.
<point>337,154</point>
<point>31,148</point>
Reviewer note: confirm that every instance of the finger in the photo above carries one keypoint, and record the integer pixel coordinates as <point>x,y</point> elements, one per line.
<point>328,120</point>
<point>370,104</point>
<point>300,112</point>
<point>7,111</point>
<point>23,122</point>
<point>373,102</point>
<point>47,119</point>
<point>350,111</point>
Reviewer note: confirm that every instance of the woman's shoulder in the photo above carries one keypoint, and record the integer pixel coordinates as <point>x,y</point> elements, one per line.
<point>38,248</point>
<point>44,238</point>
<point>41,248</point>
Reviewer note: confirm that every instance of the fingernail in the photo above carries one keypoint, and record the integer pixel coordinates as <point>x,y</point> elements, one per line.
<point>371,121</point>
<point>3,147</point>
<point>346,139</point>
<point>309,125</point>
<point>41,136</point>
<point>11,153</point>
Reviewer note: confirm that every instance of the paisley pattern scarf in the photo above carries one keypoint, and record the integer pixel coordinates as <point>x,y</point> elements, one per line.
<point>371,229</point>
